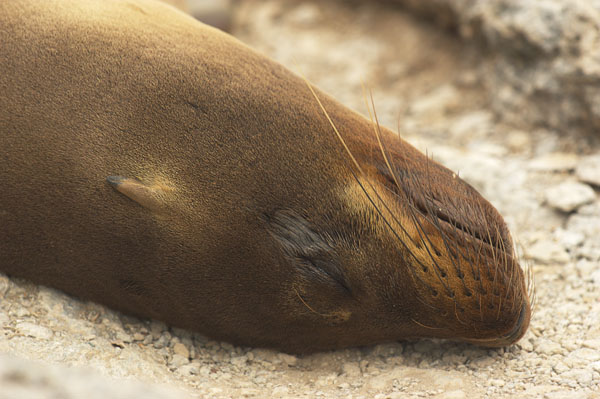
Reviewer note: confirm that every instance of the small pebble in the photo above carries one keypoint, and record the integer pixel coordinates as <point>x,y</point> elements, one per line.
<point>582,376</point>
<point>280,391</point>
<point>188,369</point>
<point>548,252</point>
<point>288,360</point>
<point>178,361</point>
<point>4,284</point>
<point>34,331</point>
<point>180,349</point>
<point>138,337</point>
<point>471,123</point>
<point>588,170</point>
<point>592,344</point>
<point>456,394</point>
<point>548,347</point>
<point>554,162</point>
<point>351,369</point>
<point>569,196</point>
<point>435,101</point>
<point>568,238</point>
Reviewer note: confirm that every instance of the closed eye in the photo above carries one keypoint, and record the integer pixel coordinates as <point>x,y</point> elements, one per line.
<point>313,254</point>
<point>324,270</point>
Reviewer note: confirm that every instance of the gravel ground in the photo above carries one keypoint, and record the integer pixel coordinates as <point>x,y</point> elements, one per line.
<point>431,87</point>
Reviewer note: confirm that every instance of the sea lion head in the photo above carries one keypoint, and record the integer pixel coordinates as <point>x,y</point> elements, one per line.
<point>413,251</point>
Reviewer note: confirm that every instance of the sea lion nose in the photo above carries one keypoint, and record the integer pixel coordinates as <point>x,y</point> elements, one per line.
<point>520,327</point>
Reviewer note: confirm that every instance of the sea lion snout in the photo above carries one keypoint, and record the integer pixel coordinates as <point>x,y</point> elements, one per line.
<point>450,241</point>
<point>514,335</point>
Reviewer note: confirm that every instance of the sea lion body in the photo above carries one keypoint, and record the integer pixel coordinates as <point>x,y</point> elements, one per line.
<point>162,168</point>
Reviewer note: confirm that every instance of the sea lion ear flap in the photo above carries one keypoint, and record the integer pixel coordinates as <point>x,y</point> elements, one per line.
<point>151,196</point>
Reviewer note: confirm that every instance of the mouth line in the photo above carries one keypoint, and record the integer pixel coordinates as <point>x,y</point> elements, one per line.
<point>517,330</point>
<point>435,209</point>
<point>453,224</point>
<point>507,339</point>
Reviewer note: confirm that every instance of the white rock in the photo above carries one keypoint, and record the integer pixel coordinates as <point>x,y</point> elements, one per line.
<point>595,366</point>
<point>588,170</point>
<point>351,369</point>
<point>34,330</point>
<point>4,282</point>
<point>248,392</point>
<point>266,355</point>
<point>435,100</point>
<point>188,369</point>
<point>21,312</point>
<point>157,328</point>
<point>179,361</point>
<point>569,196</point>
<point>138,337</point>
<point>564,394</point>
<point>518,140</point>
<point>568,238</point>
<point>592,344</point>
<point>584,356</point>
<point>526,345</point>
<point>560,368</point>
<point>25,379</point>
<point>554,162</point>
<point>289,360</point>
<point>582,376</point>
<point>306,14</point>
<point>471,123</point>
<point>548,252</point>
<point>180,349</point>
<point>456,394</point>
<point>592,209</point>
<point>497,382</point>
<point>239,361</point>
<point>548,347</point>
<point>588,225</point>
<point>280,391</point>
<point>123,336</point>
<point>586,269</point>
<point>4,320</point>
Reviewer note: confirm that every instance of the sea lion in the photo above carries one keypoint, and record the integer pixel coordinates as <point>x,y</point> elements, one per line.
<point>163,168</point>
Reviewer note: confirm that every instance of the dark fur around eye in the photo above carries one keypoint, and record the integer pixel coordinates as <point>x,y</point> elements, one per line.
<point>314,256</point>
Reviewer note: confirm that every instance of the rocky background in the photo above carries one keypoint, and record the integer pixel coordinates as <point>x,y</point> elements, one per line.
<point>506,92</point>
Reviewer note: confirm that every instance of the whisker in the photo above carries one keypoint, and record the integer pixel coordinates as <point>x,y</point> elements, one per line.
<point>382,146</point>
<point>436,222</point>
<point>360,170</point>
<point>420,229</point>
<point>456,314</point>
<point>467,244</point>
<point>306,304</point>
<point>513,273</point>
<point>424,326</point>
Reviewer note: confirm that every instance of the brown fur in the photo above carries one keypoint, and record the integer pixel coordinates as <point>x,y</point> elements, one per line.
<point>252,222</point>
